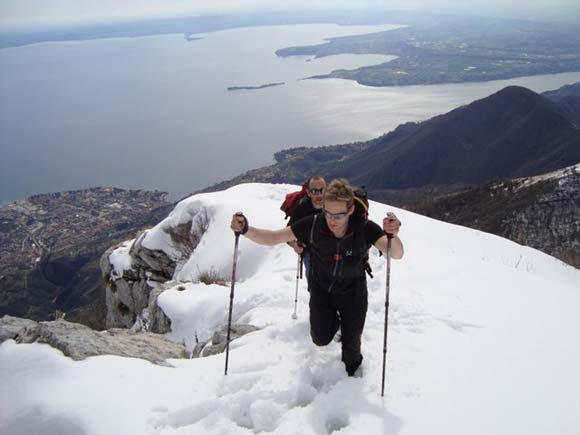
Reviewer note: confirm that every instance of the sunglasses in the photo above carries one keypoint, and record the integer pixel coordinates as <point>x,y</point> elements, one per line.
<point>316,191</point>
<point>335,216</point>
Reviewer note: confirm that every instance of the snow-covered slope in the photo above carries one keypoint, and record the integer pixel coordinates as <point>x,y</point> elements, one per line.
<point>482,340</point>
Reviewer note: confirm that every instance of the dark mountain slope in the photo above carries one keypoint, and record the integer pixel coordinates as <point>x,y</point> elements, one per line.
<point>565,91</point>
<point>568,99</point>
<point>540,212</point>
<point>512,133</point>
<point>570,107</point>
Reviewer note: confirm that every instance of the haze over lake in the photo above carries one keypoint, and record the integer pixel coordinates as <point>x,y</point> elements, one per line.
<point>155,112</point>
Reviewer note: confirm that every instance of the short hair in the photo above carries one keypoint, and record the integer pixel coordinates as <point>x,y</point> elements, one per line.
<point>340,190</point>
<point>315,177</point>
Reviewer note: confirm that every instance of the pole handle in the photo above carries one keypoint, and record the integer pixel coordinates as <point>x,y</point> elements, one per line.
<point>390,217</point>
<point>245,228</point>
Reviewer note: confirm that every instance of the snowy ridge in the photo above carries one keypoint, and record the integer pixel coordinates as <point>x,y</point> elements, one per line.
<point>482,335</point>
<point>554,175</point>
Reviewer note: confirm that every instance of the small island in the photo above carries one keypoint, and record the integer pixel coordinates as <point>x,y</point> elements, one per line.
<point>253,88</point>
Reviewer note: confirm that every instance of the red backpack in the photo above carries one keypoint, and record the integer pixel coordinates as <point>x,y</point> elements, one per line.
<point>292,200</point>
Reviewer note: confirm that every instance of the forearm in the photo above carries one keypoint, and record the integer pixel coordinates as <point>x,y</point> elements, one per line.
<point>391,225</point>
<point>268,237</point>
<point>397,250</point>
<point>239,225</point>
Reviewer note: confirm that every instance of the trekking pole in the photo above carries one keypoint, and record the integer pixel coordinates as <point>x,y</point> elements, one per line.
<point>232,296</point>
<point>388,285</point>
<point>298,276</point>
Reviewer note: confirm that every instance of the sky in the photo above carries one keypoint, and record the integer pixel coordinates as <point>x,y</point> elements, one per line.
<point>480,341</point>
<point>19,13</point>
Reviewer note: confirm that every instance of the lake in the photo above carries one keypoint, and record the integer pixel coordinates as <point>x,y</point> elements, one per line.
<point>155,112</point>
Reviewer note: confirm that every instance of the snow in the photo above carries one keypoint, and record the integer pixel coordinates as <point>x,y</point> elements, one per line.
<point>558,174</point>
<point>120,258</point>
<point>482,340</point>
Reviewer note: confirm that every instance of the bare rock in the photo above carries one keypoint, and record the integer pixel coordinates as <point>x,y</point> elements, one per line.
<point>217,343</point>
<point>79,342</point>
<point>11,326</point>
<point>129,293</point>
<point>158,321</point>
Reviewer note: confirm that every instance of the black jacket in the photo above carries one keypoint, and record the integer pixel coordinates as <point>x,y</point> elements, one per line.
<point>302,210</point>
<point>337,265</point>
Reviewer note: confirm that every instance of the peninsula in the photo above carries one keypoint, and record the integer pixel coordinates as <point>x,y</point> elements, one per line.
<point>445,49</point>
<point>253,88</point>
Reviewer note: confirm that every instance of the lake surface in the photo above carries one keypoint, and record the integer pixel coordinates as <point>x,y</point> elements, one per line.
<point>155,112</point>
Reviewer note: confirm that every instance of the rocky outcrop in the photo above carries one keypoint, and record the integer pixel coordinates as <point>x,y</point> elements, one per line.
<point>217,343</point>
<point>156,318</point>
<point>134,282</point>
<point>131,293</point>
<point>10,326</point>
<point>136,275</point>
<point>551,222</point>
<point>79,342</point>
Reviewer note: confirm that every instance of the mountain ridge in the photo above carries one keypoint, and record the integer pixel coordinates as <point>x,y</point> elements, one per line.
<point>436,154</point>
<point>473,144</point>
<point>510,134</point>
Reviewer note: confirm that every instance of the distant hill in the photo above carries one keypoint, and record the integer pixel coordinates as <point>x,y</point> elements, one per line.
<point>568,98</point>
<point>188,26</point>
<point>512,133</point>
<point>563,92</point>
<point>294,165</point>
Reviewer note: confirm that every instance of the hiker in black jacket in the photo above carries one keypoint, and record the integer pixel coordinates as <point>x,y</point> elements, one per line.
<point>338,242</point>
<point>310,204</point>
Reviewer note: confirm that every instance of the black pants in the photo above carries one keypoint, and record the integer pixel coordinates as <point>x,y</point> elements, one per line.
<point>324,322</point>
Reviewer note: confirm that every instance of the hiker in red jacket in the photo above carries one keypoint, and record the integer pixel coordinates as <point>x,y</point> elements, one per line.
<point>308,205</point>
<point>338,241</point>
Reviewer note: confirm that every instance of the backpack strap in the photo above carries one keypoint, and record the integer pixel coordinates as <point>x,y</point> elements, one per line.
<point>367,265</point>
<point>312,228</point>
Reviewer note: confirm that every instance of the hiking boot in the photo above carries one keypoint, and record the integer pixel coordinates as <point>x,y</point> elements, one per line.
<point>355,369</point>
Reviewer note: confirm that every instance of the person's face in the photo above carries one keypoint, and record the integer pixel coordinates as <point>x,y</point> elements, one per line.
<point>316,192</point>
<point>336,214</point>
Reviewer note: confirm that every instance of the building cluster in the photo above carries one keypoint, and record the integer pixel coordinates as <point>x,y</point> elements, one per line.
<point>34,228</point>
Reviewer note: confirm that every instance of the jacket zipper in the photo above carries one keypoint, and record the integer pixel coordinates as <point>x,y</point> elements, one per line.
<point>336,261</point>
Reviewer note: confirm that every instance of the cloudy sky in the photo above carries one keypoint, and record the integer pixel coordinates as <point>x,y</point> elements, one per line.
<point>16,13</point>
